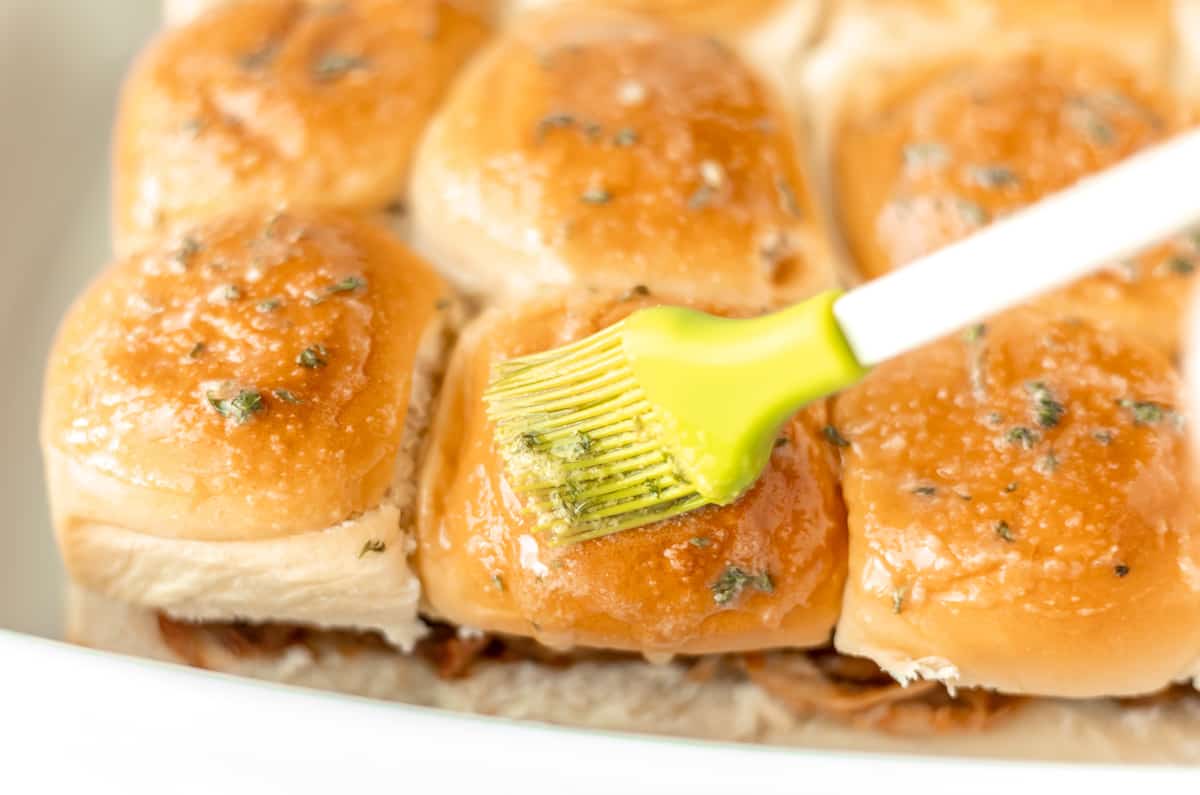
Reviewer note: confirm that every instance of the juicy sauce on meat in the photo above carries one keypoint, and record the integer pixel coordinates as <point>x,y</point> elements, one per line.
<point>819,682</point>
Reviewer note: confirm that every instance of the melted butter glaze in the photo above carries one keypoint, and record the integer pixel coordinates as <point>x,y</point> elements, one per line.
<point>963,143</point>
<point>483,565</point>
<point>229,309</point>
<point>1020,558</point>
<point>284,101</point>
<point>625,152</point>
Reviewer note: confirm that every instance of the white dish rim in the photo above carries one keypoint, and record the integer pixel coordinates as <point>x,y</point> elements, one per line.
<point>179,718</point>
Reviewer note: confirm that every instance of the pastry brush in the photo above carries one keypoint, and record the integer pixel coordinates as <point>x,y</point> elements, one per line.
<point>672,409</point>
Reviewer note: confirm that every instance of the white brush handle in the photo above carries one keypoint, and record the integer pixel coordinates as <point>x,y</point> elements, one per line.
<point>1118,212</point>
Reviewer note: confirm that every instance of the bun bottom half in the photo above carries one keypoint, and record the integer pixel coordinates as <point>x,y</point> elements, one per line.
<point>660,699</point>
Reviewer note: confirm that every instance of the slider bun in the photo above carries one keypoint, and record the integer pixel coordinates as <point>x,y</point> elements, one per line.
<point>929,153</point>
<point>1068,566</point>
<point>283,102</point>
<point>484,565</point>
<point>159,499</point>
<point>609,150</point>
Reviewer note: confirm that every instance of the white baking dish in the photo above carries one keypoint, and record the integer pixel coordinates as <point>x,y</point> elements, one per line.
<point>70,715</point>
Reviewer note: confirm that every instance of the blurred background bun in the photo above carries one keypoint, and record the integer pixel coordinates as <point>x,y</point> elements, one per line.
<point>946,116</point>
<point>266,103</point>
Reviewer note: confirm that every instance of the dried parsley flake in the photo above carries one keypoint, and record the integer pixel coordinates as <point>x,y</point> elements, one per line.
<point>239,408</point>
<point>596,196</point>
<point>835,437</point>
<point>313,357</point>
<point>625,136</point>
<point>734,580</point>
<point>550,122</point>
<point>334,65</point>
<point>992,176</point>
<point>372,545</point>
<point>1022,436</point>
<point>1181,265</point>
<point>1144,412</point>
<point>1046,410</point>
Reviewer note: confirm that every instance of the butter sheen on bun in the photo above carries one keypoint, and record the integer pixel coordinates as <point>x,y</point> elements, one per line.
<point>283,102</point>
<point>1020,513</point>
<point>766,571</point>
<point>231,421</point>
<point>606,149</point>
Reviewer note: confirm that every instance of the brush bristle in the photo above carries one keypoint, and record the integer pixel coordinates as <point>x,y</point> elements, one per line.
<point>582,442</point>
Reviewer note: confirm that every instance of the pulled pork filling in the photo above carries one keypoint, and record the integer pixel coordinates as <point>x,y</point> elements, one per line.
<point>814,682</point>
<point>855,691</point>
<point>818,682</point>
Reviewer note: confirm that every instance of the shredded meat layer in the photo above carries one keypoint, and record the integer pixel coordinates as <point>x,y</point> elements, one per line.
<point>855,691</point>
<point>817,682</point>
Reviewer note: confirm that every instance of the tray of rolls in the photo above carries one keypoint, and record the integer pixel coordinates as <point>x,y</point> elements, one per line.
<point>262,429</point>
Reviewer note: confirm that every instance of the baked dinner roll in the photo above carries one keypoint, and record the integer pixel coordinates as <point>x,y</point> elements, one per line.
<point>609,150</point>
<point>1020,516</point>
<point>283,102</point>
<point>231,422</point>
<point>934,150</point>
<point>764,572</point>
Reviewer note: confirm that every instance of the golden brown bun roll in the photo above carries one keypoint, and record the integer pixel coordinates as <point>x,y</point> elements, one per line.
<point>970,141</point>
<point>941,115</point>
<point>283,102</point>
<point>609,150</point>
<point>231,419</point>
<point>483,565</point>
<point>1019,514</point>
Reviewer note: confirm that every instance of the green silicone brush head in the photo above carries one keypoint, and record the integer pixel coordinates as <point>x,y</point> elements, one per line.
<point>580,439</point>
<point>667,411</point>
